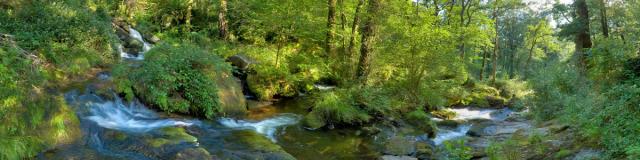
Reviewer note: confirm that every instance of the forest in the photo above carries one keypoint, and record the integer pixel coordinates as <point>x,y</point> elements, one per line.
<point>320,79</point>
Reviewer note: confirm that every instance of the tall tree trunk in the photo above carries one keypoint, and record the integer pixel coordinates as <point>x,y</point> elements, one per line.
<point>533,44</point>
<point>484,61</point>
<point>603,18</point>
<point>331,31</point>
<point>188,16</point>
<point>463,8</point>
<point>223,28</point>
<point>583,37</point>
<point>354,27</point>
<point>497,44</point>
<point>367,42</point>
<point>343,28</point>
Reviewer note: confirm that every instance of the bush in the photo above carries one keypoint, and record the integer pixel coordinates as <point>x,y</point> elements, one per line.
<point>340,108</point>
<point>457,150</point>
<point>179,78</point>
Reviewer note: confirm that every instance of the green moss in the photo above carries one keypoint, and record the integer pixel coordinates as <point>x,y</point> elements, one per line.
<point>157,142</point>
<point>177,134</point>
<point>443,114</point>
<point>313,121</point>
<point>261,145</point>
<point>563,153</point>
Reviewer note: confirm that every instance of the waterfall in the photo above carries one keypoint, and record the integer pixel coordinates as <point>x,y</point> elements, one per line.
<point>145,47</point>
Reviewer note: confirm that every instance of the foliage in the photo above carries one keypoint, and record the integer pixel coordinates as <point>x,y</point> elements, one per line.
<point>457,150</point>
<point>179,77</point>
<point>58,32</point>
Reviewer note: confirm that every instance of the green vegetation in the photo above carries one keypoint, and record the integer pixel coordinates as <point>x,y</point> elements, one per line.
<point>178,77</point>
<point>391,61</point>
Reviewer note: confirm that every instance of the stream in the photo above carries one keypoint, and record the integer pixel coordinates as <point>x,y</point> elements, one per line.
<point>113,128</point>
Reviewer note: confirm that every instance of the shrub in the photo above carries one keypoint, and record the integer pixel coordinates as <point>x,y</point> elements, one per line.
<point>457,150</point>
<point>340,108</point>
<point>179,78</point>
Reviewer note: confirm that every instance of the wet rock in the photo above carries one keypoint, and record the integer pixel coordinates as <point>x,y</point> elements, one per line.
<point>444,114</point>
<point>313,121</point>
<point>153,39</point>
<point>258,146</point>
<point>240,61</point>
<point>449,123</point>
<point>425,150</point>
<point>482,129</point>
<point>587,154</point>
<point>192,154</point>
<point>399,146</point>
<point>252,104</point>
<point>232,100</point>
<point>132,46</point>
<point>371,130</point>
<point>392,157</point>
<point>557,128</point>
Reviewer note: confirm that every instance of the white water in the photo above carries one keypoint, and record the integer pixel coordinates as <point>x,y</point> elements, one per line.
<point>468,114</point>
<point>323,87</point>
<point>145,47</point>
<point>445,135</point>
<point>131,118</point>
<point>135,34</point>
<point>266,127</point>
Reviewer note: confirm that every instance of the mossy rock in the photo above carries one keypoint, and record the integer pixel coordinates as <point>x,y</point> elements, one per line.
<point>425,150</point>
<point>260,146</point>
<point>443,114</point>
<point>449,123</point>
<point>193,154</point>
<point>263,89</point>
<point>171,136</point>
<point>563,153</point>
<point>400,146</point>
<point>133,46</point>
<point>231,98</point>
<point>313,121</point>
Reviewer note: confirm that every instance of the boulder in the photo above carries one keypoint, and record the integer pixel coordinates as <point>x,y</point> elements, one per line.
<point>232,100</point>
<point>449,123</point>
<point>400,146</point>
<point>240,61</point>
<point>257,146</point>
<point>193,154</point>
<point>153,39</point>
<point>132,46</point>
<point>482,129</point>
<point>425,150</point>
<point>313,121</point>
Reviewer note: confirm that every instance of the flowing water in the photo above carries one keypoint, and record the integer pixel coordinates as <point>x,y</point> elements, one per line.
<point>137,56</point>
<point>465,114</point>
<point>117,129</point>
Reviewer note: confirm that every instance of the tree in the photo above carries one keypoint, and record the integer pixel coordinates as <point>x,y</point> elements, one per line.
<point>603,18</point>
<point>331,31</point>
<point>354,27</point>
<point>367,41</point>
<point>223,28</point>
<point>497,42</point>
<point>582,35</point>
